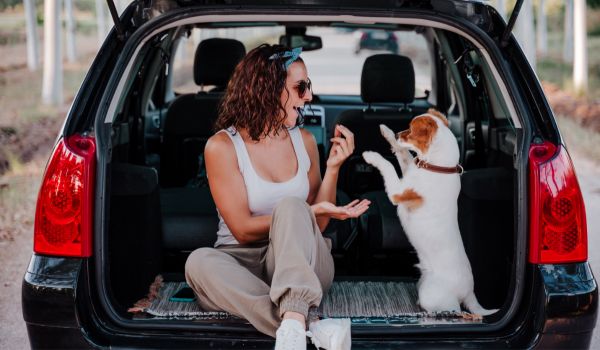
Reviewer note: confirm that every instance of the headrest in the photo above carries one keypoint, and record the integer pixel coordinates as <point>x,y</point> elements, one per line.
<point>216,59</point>
<point>387,78</point>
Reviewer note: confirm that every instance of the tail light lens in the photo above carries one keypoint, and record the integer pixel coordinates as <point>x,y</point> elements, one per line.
<point>63,217</point>
<point>557,213</point>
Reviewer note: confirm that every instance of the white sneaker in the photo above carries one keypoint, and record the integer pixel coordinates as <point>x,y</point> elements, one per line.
<point>331,333</point>
<point>291,335</point>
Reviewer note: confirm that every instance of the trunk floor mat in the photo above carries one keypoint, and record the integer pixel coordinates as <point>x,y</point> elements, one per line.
<point>363,301</point>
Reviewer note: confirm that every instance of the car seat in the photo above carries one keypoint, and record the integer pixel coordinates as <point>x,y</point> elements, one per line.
<point>190,118</point>
<point>386,78</point>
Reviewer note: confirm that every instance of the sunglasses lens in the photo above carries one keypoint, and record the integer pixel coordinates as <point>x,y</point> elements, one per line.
<point>303,86</point>
<point>302,89</point>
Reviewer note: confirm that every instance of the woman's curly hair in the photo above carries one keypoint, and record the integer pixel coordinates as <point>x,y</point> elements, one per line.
<point>253,97</point>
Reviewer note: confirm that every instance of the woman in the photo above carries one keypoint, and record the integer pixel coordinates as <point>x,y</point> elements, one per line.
<point>271,263</point>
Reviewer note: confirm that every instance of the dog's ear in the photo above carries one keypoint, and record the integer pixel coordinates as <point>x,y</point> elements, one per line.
<point>434,112</point>
<point>410,198</point>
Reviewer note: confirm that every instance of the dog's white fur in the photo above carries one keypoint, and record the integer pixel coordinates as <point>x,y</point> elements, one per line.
<point>429,214</point>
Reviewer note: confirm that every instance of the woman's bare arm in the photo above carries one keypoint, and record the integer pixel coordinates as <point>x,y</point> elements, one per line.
<point>229,191</point>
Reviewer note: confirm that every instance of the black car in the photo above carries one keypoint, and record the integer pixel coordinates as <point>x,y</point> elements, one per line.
<point>377,40</point>
<point>124,198</point>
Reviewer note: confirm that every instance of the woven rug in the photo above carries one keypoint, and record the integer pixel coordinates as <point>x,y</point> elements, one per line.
<point>355,299</point>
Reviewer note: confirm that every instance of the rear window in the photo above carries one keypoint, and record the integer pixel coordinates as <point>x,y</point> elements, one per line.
<point>334,70</point>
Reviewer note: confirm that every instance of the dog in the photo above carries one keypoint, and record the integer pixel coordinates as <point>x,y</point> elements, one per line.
<point>426,199</point>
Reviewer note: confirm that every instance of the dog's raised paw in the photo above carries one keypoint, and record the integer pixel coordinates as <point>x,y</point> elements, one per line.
<point>371,157</point>
<point>387,132</point>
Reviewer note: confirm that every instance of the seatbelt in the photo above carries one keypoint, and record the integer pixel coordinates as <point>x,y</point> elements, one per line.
<point>473,76</point>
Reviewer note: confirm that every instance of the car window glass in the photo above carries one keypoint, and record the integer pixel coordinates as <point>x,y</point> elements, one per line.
<point>183,62</point>
<point>335,69</point>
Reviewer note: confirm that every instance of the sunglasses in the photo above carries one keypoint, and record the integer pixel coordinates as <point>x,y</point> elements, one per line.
<point>303,86</point>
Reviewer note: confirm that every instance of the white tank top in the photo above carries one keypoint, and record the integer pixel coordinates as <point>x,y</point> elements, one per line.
<point>263,194</point>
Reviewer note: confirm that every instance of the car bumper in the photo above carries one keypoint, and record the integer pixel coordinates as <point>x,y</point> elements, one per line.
<point>569,307</point>
<point>563,314</point>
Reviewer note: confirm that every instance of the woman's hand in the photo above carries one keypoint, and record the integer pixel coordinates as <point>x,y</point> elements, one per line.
<point>342,146</point>
<point>353,209</point>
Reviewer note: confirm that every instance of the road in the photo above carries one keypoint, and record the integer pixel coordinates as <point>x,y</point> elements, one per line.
<point>15,254</point>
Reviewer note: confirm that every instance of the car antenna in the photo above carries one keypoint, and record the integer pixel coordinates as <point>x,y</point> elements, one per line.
<point>511,23</point>
<point>115,16</point>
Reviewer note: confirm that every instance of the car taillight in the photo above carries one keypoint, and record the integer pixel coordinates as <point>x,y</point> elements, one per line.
<point>63,216</point>
<point>558,232</point>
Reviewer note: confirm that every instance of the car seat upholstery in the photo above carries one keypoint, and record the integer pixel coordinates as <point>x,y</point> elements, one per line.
<point>485,217</point>
<point>189,216</point>
<point>190,118</point>
<point>386,78</point>
<point>135,223</point>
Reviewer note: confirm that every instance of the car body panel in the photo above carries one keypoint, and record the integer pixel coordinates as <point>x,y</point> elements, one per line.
<point>553,306</point>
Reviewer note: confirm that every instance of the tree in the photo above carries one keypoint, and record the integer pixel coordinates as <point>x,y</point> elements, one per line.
<point>580,62</point>
<point>525,33</point>
<point>568,39</point>
<point>542,29</point>
<point>100,21</point>
<point>33,44</point>
<point>52,79</point>
<point>593,3</point>
<point>70,31</point>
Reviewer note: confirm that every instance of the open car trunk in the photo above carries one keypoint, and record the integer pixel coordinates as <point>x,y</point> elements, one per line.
<point>159,206</point>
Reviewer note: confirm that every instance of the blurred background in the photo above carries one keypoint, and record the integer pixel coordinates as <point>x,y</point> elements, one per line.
<point>46,48</point>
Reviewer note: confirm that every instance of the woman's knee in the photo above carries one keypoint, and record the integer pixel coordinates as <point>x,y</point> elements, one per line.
<point>200,261</point>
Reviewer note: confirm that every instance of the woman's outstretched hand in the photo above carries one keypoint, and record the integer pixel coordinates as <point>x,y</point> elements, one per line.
<point>342,146</point>
<point>353,209</point>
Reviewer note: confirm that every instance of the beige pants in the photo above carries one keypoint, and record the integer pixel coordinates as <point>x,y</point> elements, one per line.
<point>260,282</point>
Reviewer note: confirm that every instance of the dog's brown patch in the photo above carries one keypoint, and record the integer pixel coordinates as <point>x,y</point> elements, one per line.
<point>434,112</point>
<point>403,135</point>
<point>422,129</point>
<point>411,199</point>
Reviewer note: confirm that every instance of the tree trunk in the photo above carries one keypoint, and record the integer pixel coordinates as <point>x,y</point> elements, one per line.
<point>501,8</point>
<point>580,63</point>
<point>53,80</point>
<point>100,22</point>
<point>568,39</point>
<point>70,29</point>
<point>525,32</point>
<point>33,51</point>
<point>542,29</point>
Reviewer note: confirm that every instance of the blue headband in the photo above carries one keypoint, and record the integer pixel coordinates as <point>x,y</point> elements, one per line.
<point>293,56</point>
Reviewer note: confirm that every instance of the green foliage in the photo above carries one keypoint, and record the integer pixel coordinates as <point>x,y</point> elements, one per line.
<point>593,3</point>
<point>595,31</point>
<point>86,5</point>
<point>8,3</point>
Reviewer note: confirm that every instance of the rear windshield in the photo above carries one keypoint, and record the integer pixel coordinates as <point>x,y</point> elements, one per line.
<point>334,70</point>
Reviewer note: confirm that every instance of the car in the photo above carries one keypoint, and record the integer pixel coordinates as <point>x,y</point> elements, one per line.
<point>377,40</point>
<point>124,198</point>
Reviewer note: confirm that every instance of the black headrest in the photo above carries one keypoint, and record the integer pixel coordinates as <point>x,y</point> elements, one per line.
<point>216,59</point>
<point>387,78</point>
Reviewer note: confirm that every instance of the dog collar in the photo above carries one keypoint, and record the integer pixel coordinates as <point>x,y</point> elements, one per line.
<point>439,169</point>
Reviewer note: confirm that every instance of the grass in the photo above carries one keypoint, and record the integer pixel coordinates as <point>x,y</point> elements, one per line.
<point>553,69</point>
<point>18,193</point>
<point>21,102</point>
<point>583,140</point>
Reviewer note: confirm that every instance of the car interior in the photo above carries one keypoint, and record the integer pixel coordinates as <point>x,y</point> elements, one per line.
<point>161,207</point>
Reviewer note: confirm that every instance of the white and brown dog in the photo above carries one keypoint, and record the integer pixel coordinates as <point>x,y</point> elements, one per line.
<point>426,197</point>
